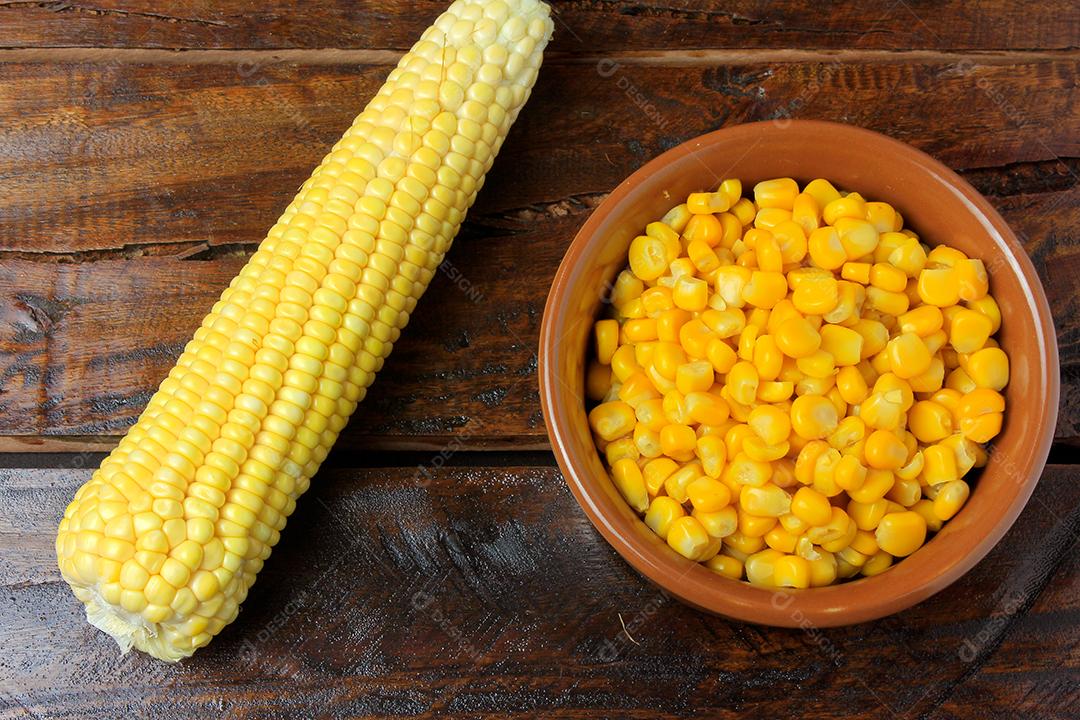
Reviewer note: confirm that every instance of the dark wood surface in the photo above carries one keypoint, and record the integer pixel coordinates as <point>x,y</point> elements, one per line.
<point>146,147</point>
<point>486,593</point>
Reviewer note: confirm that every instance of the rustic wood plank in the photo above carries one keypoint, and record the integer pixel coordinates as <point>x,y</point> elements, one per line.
<point>486,591</point>
<point>589,25</point>
<point>128,206</point>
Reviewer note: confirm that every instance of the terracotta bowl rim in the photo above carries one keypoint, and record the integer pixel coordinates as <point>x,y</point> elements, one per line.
<point>850,602</point>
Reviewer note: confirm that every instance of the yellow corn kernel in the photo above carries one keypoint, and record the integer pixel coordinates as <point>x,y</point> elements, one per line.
<point>791,571</point>
<point>825,248</point>
<point>908,355</point>
<point>706,408</point>
<point>656,472</point>
<point>960,381</point>
<point>780,539</point>
<point>769,218</point>
<point>867,516</point>
<point>965,451</point>
<point>849,474</point>
<point>939,464</point>
<point>645,441</point>
<point>797,338</point>
<point>637,389</point>
<point>838,527</point>
<point>968,330</point>
<point>843,344</point>
<point>816,295</point>
<point>760,567</point>
<point>885,302</point>
<point>708,495</point>
<point>702,255</point>
<point>923,321</point>
<point>693,377</point>
<point>597,381</point>
<point>988,307</point>
<point>811,506</point>
<point>881,215</point>
<point>677,217</point>
<point>901,533</point>
<point>731,282</point>
<point>849,206</point>
<point>987,368</point>
<point>726,565</point>
<point>823,569</point>
<point>889,382</point>
<point>905,491</point>
<point>818,364</point>
<point>768,500</point>
<point>972,279</point>
<point>945,255</point>
<point>950,498</point>
<point>742,382</point>
<point>884,451</point>
<point>623,363</point>
<point>770,423</point>
<point>925,507</point>
<point>767,358</point>
<point>650,413</point>
<point>705,229</point>
<point>939,286</point>
<point>612,420</point>
<point>622,448</point>
<point>778,193</point>
<point>980,414</point>
<point>677,440</point>
<point>888,277</point>
<point>744,471</point>
<point>813,417</point>
<point>720,523</point>
<point>874,334</point>
<point>704,203</point>
<point>639,330</point>
<point>630,483</point>
<point>851,384</point>
<point>667,358</point>
<point>626,287</point>
<point>858,272</point>
<point>876,564</point>
<point>765,289</point>
<point>670,322</point>
<point>649,257</point>
<point>686,536</point>
<point>908,256</point>
<point>774,391</point>
<point>858,237</point>
<point>662,513</point>
<point>744,211</point>
<point>822,191</point>
<point>607,340</point>
<point>864,542</point>
<point>690,293</point>
<point>929,421</point>
<point>712,453</point>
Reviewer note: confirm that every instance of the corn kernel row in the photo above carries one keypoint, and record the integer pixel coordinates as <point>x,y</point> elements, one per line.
<point>793,386</point>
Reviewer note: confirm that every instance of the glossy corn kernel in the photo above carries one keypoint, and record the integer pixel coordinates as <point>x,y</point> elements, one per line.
<point>884,451</point>
<point>950,499</point>
<point>988,368</point>
<point>760,567</point>
<point>791,571</point>
<point>811,506</point>
<point>612,420</point>
<point>767,500</point>
<point>813,417</point>
<point>630,483</point>
<point>662,513</point>
<point>901,533</point>
<point>980,414</point>
<point>687,537</point>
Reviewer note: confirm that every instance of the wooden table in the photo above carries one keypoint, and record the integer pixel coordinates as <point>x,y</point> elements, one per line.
<point>439,566</point>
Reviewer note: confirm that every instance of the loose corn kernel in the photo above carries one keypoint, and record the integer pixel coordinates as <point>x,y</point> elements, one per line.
<point>867,516</point>
<point>677,440</point>
<point>825,248</point>
<point>811,506</point>
<point>980,414</point>
<point>742,382</point>
<point>888,277</point>
<point>968,330</point>
<point>649,257</point>
<point>630,483</point>
<point>884,451</point>
<point>760,567</point>
<point>768,500</point>
<point>797,338</point>
<point>858,272</point>
<point>779,193</point>
<point>988,307</point>
<point>988,368</point>
<point>662,513</point>
<point>887,303</point>
<point>813,417</point>
<point>843,344</point>
<point>950,498</point>
<point>656,472</point>
<point>744,471</point>
<point>686,536</point>
<point>703,203</point>
<point>939,286</point>
<point>849,206</point>
<point>770,423</point>
<point>726,565</point>
<point>612,420</point>
<point>901,533</point>
<point>852,385</point>
<point>765,289</point>
<point>791,571</point>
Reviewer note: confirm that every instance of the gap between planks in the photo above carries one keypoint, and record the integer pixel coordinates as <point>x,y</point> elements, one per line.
<point>682,58</point>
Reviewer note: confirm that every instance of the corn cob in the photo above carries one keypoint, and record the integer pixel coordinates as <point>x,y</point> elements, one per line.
<point>165,539</point>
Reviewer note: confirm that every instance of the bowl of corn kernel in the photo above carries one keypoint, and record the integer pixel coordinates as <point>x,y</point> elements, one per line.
<point>798,373</point>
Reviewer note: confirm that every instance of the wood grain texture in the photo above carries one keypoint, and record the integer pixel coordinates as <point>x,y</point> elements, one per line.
<point>485,592</point>
<point>133,192</point>
<point>584,25</point>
